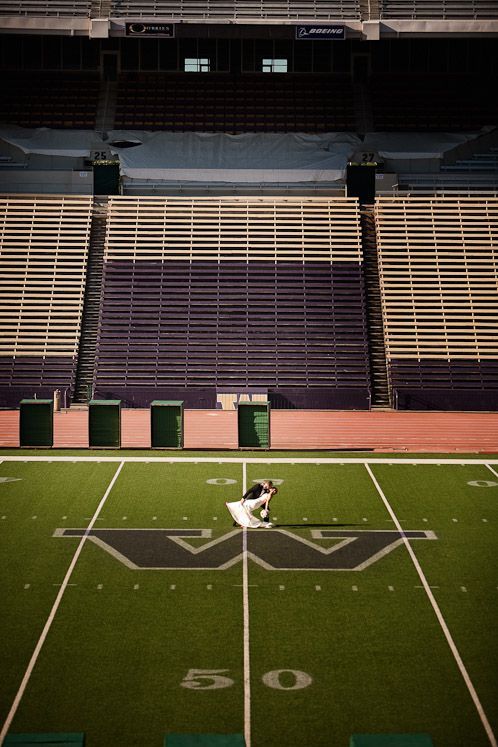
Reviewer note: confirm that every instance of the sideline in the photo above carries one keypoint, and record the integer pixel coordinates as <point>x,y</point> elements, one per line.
<point>55,607</point>
<point>248,460</point>
<point>439,615</point>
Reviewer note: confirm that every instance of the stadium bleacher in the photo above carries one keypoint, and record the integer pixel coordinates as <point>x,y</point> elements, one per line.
<point>43,252</point>
<point>227,103</point>
<point>438,9</point>
<point>42,8</point>
<point>209,293</point>
<point>432,102</point>
<point>55,99</point>
<point>234,9</point>
<point>438,264</point>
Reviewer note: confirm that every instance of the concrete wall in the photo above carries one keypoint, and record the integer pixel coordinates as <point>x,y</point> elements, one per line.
<point>292,429</point>
<point>46,181</point>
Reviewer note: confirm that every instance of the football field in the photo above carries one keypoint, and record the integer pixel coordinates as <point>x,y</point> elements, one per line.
<point>132,609</point>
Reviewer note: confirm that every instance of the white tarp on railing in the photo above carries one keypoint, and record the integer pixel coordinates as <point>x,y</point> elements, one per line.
<point>250,158</point>
<point>414,145</point>
<point>247,158</point>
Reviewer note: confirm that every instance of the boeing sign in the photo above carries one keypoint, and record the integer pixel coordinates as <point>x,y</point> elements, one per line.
<point>321,32</point>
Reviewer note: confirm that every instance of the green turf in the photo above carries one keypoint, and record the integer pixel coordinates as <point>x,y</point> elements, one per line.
<point>373,660</point>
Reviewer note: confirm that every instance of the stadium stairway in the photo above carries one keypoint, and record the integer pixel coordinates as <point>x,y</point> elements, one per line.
<point>106,107</point>
<point>91,307</point>
<point>377,354</point>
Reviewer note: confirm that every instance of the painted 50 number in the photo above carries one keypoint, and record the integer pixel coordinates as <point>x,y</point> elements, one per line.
<point>206,679</point>
<point>215,679</point>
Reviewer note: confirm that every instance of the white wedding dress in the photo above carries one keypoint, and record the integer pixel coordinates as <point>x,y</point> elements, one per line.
<point>242,512</point>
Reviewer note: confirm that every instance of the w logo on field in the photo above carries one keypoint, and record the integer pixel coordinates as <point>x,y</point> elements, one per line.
<point>275,550</point>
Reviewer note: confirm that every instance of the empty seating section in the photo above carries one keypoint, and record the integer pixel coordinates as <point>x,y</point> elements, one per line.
<point>59,100</point>
<point>438,260</point>
<point>220,102</point>
<point>440,9</point>
<point>43,253</point>
<point>433,102</point>
<point>45,7</point>
<point>227,293</point>
<point>234,9</point>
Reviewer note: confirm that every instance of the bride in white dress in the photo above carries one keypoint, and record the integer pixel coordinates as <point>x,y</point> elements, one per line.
<point>242,511</point>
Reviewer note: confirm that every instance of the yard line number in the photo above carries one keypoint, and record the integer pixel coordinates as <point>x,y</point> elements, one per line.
<point>216,679</point>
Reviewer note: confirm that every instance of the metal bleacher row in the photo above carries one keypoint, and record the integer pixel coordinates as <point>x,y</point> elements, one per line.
<point>43,254</point>
<point>238,9</point>
<point>46,7</point>
<point>233,292</point>
<point>438,264</point>
<point>228,103</point>
<point>438,9</point>
<point>268,293</point>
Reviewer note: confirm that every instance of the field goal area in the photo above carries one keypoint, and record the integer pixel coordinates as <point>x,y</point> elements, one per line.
<point>132,609</point>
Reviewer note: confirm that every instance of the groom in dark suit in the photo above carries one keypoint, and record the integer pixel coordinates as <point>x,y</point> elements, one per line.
<point>257,491</point>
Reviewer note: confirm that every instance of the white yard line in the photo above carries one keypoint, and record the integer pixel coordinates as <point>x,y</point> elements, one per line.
<point>249,460</point>
<point>48,624</point>
<point>439,615</point>
<point>245,595</point>
<point>492,470</point>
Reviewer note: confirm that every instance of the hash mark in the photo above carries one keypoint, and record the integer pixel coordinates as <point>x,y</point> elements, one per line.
<point>455,521</point>
<point>34,517</point>
<point>463,588</point>
<point>391,588</point>
<point>172,587</point>
<point>26,586</point>
<point>423,587</point>
<point>185,518</point>
<point>100,586</point>
<point>209,587</point>
<point>281,587</point>
<point>318,588</point>
<point>136,586</point>
<point>354,588</point>
<point>485,521</point>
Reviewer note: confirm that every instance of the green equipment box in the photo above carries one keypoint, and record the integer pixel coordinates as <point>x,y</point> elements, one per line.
<point>166,424</point>
<point>37,422</point>
<point>254,425</point>
<point>104,423</point>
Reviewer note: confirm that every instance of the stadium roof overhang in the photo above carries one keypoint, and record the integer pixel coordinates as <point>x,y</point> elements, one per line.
<point>248,27</point>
